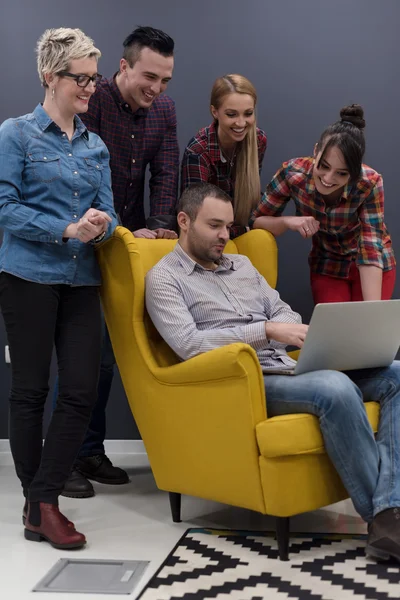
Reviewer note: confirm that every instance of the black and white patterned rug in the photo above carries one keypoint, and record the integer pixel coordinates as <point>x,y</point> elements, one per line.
<point>243,565</point>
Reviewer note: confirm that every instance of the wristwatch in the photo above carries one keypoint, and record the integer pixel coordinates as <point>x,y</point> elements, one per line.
<point>98,239</point>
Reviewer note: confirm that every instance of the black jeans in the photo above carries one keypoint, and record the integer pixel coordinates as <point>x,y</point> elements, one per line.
<point>37,317</point>
<point>93,443</point>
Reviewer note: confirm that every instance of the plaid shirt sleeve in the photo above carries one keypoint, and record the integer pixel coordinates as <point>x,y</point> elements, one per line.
<point>164,169</point>
<point>276,196</point>
<point>195,169</point>
<point>370,245</point>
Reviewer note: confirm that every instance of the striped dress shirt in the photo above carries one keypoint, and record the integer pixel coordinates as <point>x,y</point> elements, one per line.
<point>196,309</point>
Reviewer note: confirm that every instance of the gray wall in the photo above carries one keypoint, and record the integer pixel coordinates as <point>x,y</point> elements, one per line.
<point>307,59</point>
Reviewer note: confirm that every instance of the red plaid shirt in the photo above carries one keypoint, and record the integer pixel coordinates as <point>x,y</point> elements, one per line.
<point>351,230</point>
<point>202,161</point>
<point>135,140</point>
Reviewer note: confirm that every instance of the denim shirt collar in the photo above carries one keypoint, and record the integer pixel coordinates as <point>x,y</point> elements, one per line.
<point>44,122</point>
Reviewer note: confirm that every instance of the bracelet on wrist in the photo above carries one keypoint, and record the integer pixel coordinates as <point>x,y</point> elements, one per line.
<point>100,237</point>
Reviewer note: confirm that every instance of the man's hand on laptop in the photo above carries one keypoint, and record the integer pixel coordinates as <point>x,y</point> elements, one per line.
<point>291,334</point>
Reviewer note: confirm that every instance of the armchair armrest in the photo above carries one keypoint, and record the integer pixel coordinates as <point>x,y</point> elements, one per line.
<point>198,421</point>
<point>235,365</point>
<point>222,363</point>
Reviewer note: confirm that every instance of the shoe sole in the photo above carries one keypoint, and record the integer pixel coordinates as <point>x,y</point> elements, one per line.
<point>105,481</point>
<point>381,555</point>
<point>77,494</point>
<point>32,536</point>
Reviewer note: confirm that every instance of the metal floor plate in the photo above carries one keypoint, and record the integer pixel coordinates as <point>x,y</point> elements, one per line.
<point>90,576</point>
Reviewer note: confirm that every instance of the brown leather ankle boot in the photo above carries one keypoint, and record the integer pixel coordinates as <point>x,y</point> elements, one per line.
<point>53,528</point>
<point>25,511</point>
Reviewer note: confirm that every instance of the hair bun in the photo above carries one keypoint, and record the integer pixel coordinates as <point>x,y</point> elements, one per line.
<point>353,114</point>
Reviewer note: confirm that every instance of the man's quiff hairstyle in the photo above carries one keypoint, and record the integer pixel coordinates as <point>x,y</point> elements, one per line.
<point>56,48</point>
<point>193,197</point>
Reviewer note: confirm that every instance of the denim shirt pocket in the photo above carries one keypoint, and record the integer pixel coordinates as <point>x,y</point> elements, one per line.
<point>94,170</point>
<point>45,166</point>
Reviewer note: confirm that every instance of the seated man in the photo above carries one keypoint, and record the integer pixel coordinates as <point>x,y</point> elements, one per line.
<point>200,299</point>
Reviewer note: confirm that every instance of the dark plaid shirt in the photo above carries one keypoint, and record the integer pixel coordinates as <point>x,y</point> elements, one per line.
<point>135,140</point>
<point>203,161</point>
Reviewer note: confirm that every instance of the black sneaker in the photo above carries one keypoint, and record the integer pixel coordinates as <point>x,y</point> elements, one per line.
<point>100,468</point>
<point>384,535</point>
<point>77,486</point>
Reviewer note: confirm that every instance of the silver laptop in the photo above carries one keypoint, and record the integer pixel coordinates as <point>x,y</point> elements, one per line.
<point>349,335</point>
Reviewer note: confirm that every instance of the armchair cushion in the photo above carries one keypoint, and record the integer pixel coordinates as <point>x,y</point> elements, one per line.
<point>296,434</point>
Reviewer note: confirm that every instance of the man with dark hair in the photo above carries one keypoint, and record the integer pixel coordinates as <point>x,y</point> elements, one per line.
<point>138,125</point>
<point>200,299</point>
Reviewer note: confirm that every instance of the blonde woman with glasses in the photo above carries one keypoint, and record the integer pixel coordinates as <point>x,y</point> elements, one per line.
<point>55,206</point>
<point>229,153</point>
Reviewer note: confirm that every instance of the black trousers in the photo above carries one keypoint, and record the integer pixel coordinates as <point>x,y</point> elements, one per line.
<point>37,317</point>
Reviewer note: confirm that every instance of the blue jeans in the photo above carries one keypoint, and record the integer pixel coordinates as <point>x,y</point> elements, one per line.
<point>368,467</point>
<point>96,433</point>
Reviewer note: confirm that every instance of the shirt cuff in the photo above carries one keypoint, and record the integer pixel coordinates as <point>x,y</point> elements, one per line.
<point>255,335</point>
<point>162,222</point>
<point>376,261</point>
<point>57,228</point>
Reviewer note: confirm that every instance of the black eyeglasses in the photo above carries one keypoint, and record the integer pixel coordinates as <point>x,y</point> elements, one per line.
<point>82,80</point>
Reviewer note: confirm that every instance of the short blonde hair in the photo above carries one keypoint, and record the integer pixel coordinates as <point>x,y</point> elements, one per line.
<point>57,47</point>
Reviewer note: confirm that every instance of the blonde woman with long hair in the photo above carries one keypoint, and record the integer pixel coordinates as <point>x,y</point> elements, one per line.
<point>230,151</point>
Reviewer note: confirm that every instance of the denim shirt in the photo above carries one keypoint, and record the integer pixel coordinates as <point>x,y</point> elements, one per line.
<point>46,183</point>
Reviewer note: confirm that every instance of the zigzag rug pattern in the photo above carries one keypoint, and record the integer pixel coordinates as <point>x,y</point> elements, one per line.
<point>243,565</point>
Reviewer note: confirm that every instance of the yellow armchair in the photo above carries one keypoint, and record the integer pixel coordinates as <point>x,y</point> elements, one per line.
<point>204,421</point>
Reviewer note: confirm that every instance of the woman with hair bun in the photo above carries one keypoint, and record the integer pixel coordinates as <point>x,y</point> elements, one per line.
<point>339,205</point>
<point>229,153</point>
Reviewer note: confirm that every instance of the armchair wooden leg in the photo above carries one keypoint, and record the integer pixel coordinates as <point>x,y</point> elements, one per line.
<point>175,503</point>
<point>282,536</point>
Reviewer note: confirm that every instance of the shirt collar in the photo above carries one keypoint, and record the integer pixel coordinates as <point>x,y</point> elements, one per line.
<point>189,265</point>
<point>44,122</point>
<point>310,183</point>
<point>112,82</point>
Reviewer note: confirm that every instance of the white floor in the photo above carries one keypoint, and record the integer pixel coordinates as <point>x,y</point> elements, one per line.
<point>128,522</point>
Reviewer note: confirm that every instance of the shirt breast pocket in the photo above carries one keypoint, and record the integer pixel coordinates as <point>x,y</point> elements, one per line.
<point>46,166</point>
<point>94,172</point>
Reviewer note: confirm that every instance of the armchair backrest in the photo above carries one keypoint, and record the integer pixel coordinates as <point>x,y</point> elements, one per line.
<point>124,262</point>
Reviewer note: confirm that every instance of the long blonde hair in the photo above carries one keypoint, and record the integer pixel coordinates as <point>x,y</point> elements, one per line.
<point>247,180</point>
